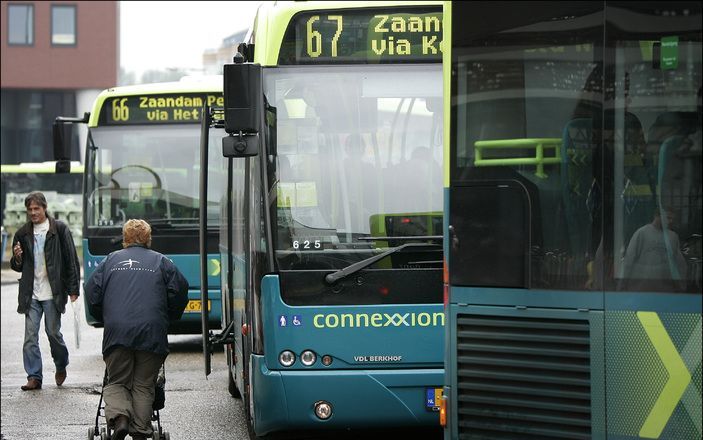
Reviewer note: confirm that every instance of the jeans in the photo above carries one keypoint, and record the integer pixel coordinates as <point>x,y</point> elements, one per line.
<point>52,324</point>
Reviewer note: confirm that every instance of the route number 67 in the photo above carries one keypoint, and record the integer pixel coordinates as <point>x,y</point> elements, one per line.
<point>314,38</point>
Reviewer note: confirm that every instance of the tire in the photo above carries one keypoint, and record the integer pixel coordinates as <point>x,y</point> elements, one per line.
<point>167,436</point>
<point>91,433</point>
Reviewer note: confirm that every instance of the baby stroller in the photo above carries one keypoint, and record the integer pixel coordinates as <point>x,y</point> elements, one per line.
<point>105,433</point>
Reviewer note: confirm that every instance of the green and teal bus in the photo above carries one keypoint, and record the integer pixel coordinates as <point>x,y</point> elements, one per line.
<point>332,220</point>
<point>573,220</point>
<point>142,161</point>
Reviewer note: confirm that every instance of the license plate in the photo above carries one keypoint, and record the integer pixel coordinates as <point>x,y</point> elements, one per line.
<point>195,306</point>
<point>432,396</point>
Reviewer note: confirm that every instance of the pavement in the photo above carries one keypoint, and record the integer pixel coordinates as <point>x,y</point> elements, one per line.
<point>8,275</point>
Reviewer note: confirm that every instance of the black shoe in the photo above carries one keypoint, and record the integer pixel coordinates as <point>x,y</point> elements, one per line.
<point>121,424</point>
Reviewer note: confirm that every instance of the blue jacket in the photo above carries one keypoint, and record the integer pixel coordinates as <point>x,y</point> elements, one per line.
<point>135,292</point>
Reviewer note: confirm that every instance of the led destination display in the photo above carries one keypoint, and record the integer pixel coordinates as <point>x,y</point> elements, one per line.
<point>339,36</point>
<point>157,109</point>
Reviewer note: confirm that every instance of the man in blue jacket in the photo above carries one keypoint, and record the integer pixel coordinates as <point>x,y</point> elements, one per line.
<point>135,292</point>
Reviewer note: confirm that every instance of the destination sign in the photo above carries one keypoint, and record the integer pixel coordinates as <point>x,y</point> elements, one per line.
<point>368,36</point>
<point>177,108</point>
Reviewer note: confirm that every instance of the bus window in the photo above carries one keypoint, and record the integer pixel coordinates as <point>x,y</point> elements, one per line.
<point>657,190</point>
<point>530,117</point>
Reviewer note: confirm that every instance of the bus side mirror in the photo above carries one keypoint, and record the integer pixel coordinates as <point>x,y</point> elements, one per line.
<point>240,146</point>
<point>243,95</point>
<point>62,135</point>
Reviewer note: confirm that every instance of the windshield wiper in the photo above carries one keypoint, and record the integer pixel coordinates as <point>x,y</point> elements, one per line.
<point>404,237</point>
<point>332,278</point>
<point>160,223</point>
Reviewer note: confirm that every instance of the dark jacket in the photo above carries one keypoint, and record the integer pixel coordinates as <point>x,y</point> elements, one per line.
<point>135,292</point>
<point>62,265</point>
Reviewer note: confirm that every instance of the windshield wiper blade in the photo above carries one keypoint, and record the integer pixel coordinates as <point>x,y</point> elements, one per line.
<point>332,278</point>
<point>403,238</point>
<point>160,223</point>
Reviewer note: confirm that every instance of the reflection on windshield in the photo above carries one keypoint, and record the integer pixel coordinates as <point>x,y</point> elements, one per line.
<point>150,173</point>
<point>359,154</point>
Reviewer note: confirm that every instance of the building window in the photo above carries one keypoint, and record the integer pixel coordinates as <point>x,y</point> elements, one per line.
<point>63,25</point>
<point>27,115</point>
<point>20,20</point>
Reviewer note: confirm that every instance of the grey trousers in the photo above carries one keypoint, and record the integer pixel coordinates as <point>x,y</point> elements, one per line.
<point>130,387</point>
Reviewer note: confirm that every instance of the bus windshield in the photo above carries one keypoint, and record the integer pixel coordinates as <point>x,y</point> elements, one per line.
<point>350,144</point>
<point>149,172</point>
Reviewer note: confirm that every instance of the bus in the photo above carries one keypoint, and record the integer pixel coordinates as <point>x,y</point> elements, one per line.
<point>573,221</point>
<point>332,218</point>
<point>142,161</point>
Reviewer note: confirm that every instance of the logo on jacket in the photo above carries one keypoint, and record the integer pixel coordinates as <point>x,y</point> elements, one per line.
<point>128,263</point>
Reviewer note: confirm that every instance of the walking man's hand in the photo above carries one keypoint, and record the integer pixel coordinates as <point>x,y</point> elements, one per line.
<point>17,251</point>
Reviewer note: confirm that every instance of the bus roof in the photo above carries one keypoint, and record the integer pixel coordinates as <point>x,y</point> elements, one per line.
<point>272,20</point>
<point>187,84</point>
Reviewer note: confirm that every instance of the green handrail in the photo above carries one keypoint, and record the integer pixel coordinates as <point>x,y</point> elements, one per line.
<point>539,145</point>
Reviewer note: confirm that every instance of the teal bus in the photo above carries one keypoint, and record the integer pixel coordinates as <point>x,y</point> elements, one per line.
<point>573,220</point>
<point>142,161</point>
<point>332,220</point>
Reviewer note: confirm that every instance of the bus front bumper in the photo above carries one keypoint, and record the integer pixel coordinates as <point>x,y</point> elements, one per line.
<point>360,399</point>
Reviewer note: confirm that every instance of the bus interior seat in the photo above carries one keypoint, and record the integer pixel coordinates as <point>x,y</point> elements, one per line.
<point>670,124</point>
<point>577,179</point>
<point>639,175</point>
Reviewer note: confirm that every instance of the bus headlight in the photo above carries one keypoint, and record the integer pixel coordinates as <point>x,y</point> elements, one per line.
<point>308,357</point>
<point>286,358</point>
<point>323,410</point>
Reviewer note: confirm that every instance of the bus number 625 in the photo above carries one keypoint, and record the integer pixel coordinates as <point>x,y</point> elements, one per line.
<point>306,244</point>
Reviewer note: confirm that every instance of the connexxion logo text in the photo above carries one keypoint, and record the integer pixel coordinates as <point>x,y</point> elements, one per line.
<point>335,320</point>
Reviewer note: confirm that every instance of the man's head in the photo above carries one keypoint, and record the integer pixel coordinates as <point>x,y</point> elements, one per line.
<point>668,213</point>
<point>35,202</point>
<point>136,231</point>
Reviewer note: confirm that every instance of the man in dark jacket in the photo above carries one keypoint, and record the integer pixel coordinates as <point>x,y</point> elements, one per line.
<point>43,250</point>
<point>135,292</point>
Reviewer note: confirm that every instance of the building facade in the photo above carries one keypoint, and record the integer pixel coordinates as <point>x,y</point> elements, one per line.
<point>55,58</point>
<point>214,59</point>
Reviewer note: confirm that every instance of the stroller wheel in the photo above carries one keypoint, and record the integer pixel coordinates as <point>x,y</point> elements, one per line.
<point>156,435</point>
